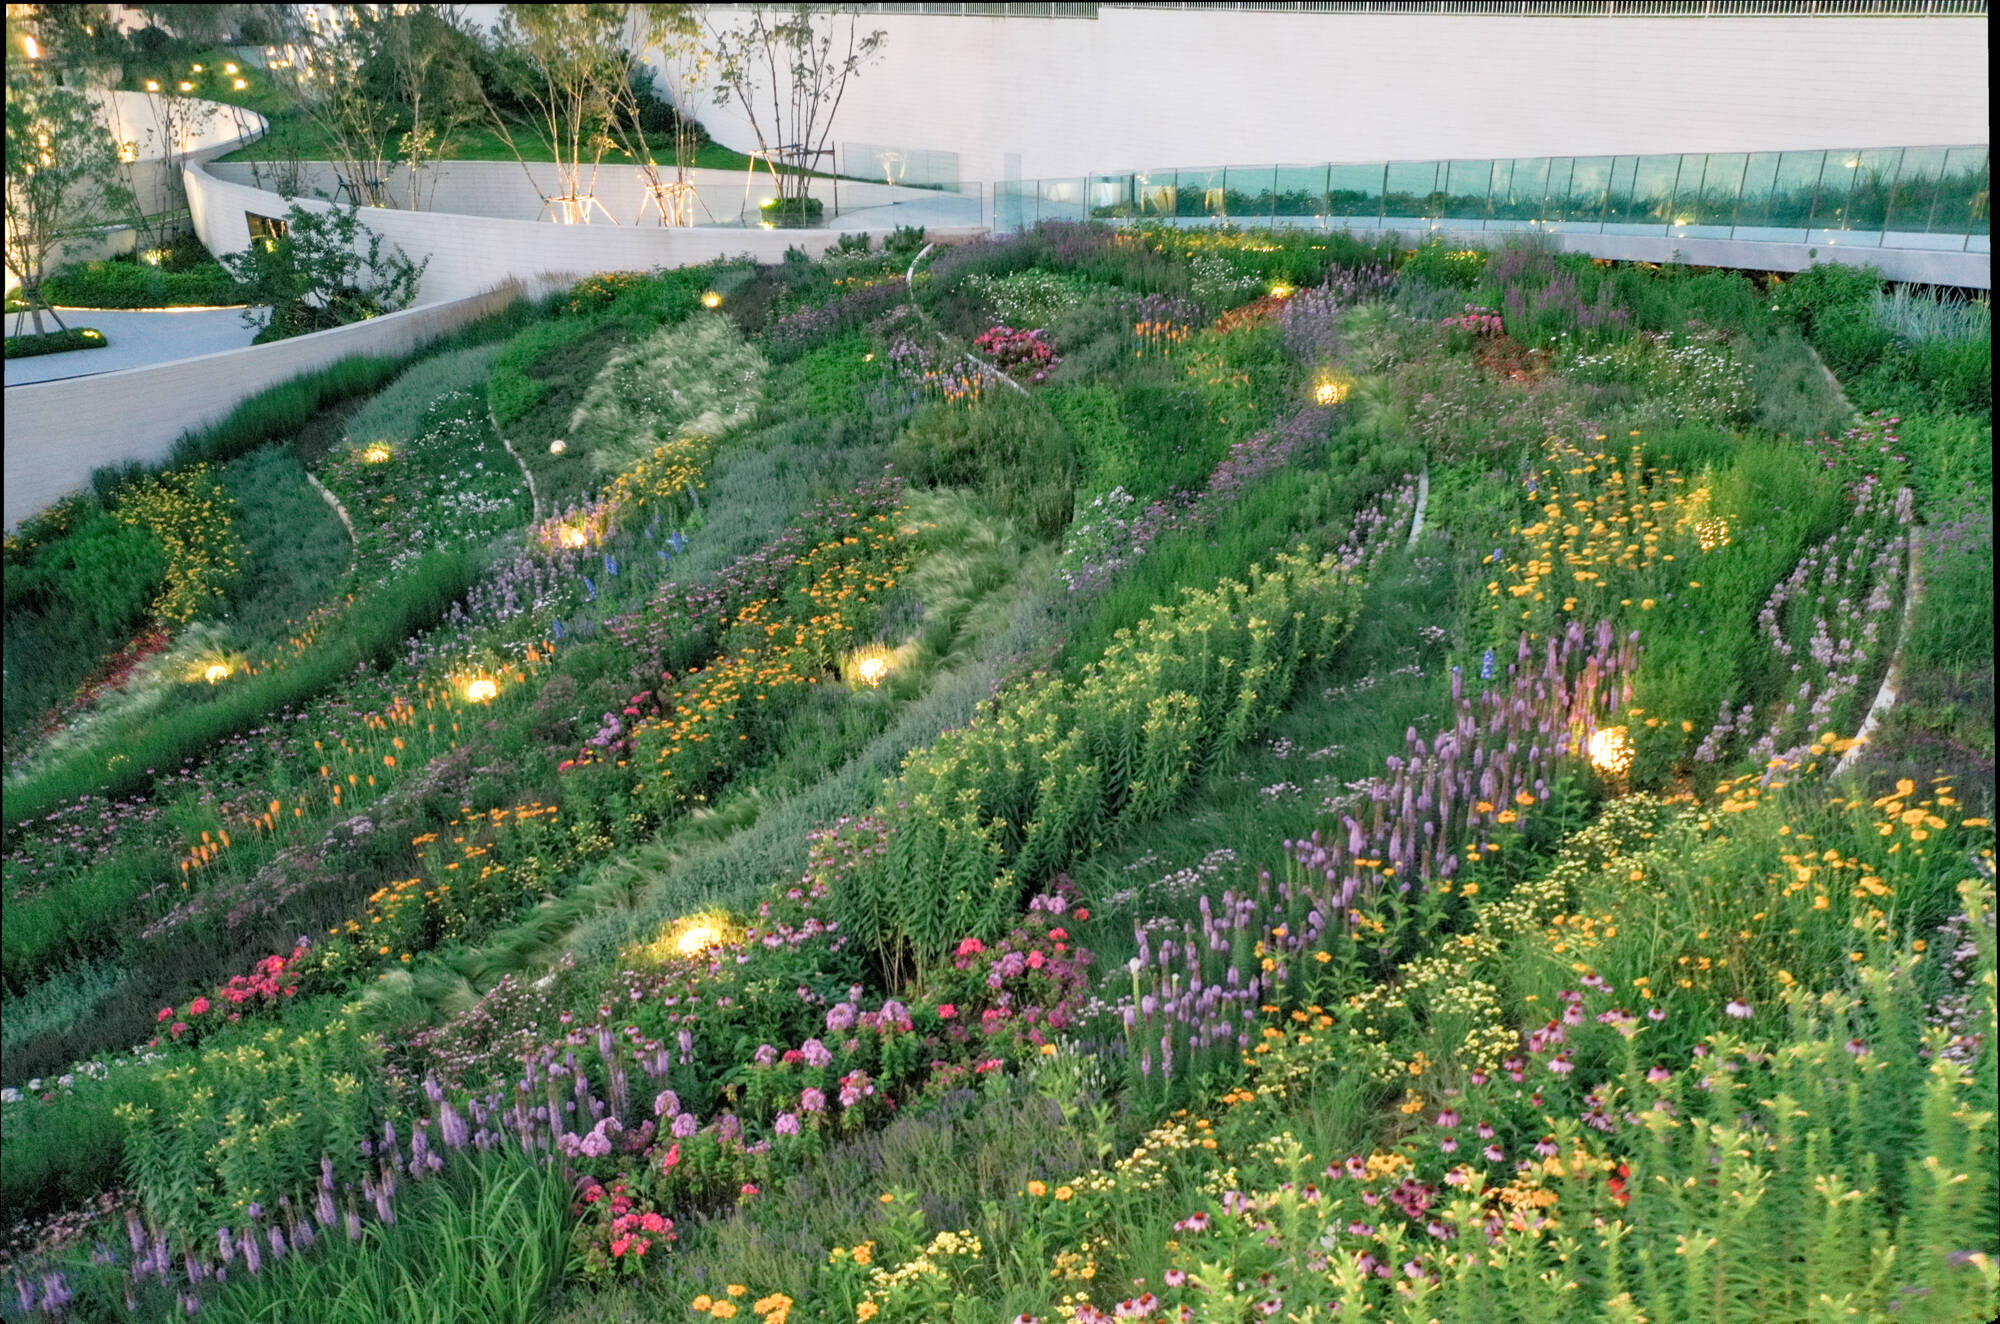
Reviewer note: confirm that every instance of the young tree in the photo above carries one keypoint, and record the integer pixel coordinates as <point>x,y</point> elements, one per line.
<point>787,70</point>
<point>567,66</point>
<point>62,177</point>
<point>685,55</point>
<point>337,45</point>
<point>318,274</point>
<point>427,56</point>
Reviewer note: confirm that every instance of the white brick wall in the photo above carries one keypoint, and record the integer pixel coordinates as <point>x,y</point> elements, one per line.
<point>1143,89</point>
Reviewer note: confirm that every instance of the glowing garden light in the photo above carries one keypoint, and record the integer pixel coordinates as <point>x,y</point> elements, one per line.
<point>697,938</point>
<point>229,68</point>
<point>215,672</point>
<point>1281,291</point>
<point>869,665</point>
<point>711,300</point>
<point>482,690</point>
<point>376,454</point>
<point>240,84</point>
<point>1610,750</point>
<point>1329,391</point>
<point>186,86</point>
<point>152,84</point>
<point>574,537</point>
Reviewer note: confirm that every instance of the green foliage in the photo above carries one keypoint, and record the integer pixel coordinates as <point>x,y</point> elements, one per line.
<point>1108,455</point>
<point>61,1154</point>
<point>483,1243</point>
<point>326,270</point>
<point>1004,803</point>
<point>54,342</point>
<point>538,377</point>
<point>1901,352</point>
<point>103,572</point>
<point>1007,445</point>
<point>116,284</point>
<point>126,759</point>
<point>276,413</point>
<point>296,552</point>
<point>832,378</point>
<point>250,1122</point>
<point>1794,396</point>
<point>1441,264</point>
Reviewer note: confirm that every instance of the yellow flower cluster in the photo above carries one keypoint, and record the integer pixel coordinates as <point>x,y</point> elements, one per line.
<point>1606,532</point>
<point>802,638</point>
<point>465,884</point>
<point>664,477</point>
<point>193,517</point>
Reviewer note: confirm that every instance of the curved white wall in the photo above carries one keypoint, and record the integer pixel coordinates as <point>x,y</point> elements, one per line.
<point>1139,89</point>
<point>58,432</point>
<point>135,118</point>
<point>471,253</point>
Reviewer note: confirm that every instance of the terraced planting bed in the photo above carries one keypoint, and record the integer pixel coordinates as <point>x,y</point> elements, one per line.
<point>1140,774</point>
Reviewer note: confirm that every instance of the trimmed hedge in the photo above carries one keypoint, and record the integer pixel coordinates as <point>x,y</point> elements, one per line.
<point>55,342</point>
<point>132,285</point>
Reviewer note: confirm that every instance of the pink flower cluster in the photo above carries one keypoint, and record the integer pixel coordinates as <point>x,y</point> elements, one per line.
<point>271,979</point>
<point>1022,355</point>
<point>1482,322</point>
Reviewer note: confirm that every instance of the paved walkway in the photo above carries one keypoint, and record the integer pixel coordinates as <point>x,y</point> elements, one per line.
<point>137,340</point>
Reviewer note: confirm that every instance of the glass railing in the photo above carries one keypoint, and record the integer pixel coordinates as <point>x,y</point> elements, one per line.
<point>1878,197</point>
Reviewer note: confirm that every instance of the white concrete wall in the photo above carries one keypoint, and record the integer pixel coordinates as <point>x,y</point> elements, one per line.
<point>505,190</point>
<point>472,253</point>
<point>138,118</point>
<point>1143,89</point>
<point>135,117</point>
<point>58,432</point>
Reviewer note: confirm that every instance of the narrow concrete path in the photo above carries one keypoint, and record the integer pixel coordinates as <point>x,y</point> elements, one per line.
<point>135,340</point>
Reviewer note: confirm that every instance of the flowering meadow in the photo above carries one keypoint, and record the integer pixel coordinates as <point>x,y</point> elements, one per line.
<point>1108,774</point>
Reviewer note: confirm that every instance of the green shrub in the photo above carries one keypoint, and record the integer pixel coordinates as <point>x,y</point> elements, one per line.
<point>54,342</point>
<point>250,1122</point>
<point>511,389</point>
<point>104,570</point>
<point>134,285</point>
<point>1441,264</point>
<point>831,378</point>
<point>1108,455</point>
<point>1004,803</point>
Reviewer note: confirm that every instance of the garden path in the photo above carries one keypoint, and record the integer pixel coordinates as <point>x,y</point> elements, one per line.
<point>137,340</point>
